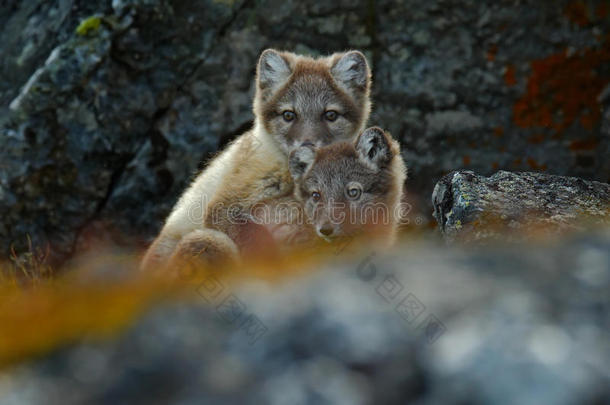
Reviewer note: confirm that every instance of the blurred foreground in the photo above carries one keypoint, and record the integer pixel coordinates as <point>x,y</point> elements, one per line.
<point>423,323</point>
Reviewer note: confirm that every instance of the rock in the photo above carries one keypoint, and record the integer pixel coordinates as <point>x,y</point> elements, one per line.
<point>421,325</point>
<point>93,114</point>
<point>452,123</point>
<point>469,207</point>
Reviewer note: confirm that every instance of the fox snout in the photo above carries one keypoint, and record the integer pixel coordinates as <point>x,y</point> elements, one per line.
<point>327,230</point>
<point>331,220</point>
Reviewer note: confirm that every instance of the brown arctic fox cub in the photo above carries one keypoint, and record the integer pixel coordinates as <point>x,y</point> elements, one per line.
<point>351,188</point>
<point>298,100</point>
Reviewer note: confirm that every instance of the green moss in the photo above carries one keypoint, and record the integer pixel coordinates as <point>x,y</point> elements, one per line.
<point>88,25</point>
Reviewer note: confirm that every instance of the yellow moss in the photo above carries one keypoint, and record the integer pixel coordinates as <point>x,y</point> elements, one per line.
<point>60,310</point>
<point>57,313</point>
<point>88,25</point>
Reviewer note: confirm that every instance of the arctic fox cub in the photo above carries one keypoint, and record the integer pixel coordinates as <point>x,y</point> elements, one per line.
<point>351,188</point>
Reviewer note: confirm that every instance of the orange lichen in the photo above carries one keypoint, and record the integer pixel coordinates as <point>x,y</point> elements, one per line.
<point>498,132</point>
<point>602,9</point>
<point>536,139</point>
<point>58,313</point>
<point>509,75</point>
<point>563,89</point>
<point>534,165</point>
<point>75,307</point>
<point>584,144</point>
<point>517,162</point>
<point>495,165</point>
<point>491,52</point>
<point>576,11</point>
<point>466,160</point>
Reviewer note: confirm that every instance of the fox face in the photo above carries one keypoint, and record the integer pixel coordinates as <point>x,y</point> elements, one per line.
<point>300,100</point>
<point>349,188</point>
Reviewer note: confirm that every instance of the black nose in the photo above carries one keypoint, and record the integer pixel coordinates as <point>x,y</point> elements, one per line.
<point>307,143</point>
<point>326,230</point>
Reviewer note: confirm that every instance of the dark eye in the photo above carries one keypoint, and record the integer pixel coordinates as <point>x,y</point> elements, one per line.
<point>353,191</point>
<point>288,115</point>
<point>331,115</point>
<point>316,196</point>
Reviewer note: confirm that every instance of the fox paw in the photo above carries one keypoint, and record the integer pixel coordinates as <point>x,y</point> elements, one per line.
<point>205,247</point>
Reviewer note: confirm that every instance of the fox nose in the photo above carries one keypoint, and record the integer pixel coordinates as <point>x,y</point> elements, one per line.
<point>307,143</point>
<point>326,230</point>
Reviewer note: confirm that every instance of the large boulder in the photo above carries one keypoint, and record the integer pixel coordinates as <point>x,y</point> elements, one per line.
<point>469,207</point>
<point>115,105</point>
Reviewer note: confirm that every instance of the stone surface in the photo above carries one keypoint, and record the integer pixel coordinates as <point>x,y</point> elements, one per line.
<point>512,325</point>
<point>469,207</point>
<point>107,126</point>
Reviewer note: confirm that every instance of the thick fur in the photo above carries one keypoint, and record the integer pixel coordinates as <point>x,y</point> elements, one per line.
<point>293,97</point>
<point>371,167</point>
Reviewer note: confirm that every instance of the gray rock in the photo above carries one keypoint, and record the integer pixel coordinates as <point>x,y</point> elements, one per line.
<point>452,123</point>
<point>423,325</point>
<point>469,207</point>
<point>93,113</point>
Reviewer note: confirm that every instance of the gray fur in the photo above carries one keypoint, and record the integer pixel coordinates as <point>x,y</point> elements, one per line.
<point>336,169</point>
<point>351,70</point>
<point>301,160</point>
<point>309,88</point>
<point>373,148</point>
<point>273,70</point>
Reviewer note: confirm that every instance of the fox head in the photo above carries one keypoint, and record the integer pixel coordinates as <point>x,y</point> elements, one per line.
<point>301,100</point>
<point>350,188</point>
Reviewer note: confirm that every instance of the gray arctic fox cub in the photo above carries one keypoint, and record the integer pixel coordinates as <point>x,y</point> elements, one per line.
<point>351,188</point>
<point>298,100</point>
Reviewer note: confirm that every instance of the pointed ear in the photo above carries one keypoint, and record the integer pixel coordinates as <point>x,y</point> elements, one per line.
<point>273,69</point>
<point>300,161</point>
<point>352,72</point>
<point>373,146</point>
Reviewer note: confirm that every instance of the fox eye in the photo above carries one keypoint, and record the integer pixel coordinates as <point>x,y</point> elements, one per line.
<point>331,115</point>
<point>288,115</point>
<point>316,196</point>
<point>353,191</point>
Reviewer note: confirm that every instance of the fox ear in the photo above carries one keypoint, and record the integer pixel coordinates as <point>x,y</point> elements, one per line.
<point>273,69</point>
<point>373,148</point>
<point>352,71</point>
<point>301,160</point>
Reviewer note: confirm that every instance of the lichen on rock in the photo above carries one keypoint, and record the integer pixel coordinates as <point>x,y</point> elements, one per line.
<point>88,25</point>
<point>515,206</point>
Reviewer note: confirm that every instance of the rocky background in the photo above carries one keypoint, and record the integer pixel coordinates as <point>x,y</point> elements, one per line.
<point>108,108</point>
